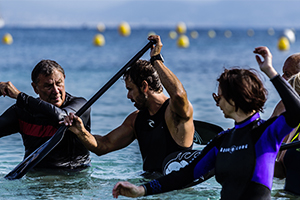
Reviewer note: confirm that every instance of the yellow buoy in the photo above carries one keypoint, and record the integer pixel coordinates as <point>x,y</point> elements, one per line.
<point>99,40</point>
<point>181,28</point>
<point>283,44</point>
<point>172,34</point>
<point>194,34</point>
<point>183,41</point>
<point>124,29</point>
<point>7,39</point>
<point>101,27</point>
<point>211,33</point>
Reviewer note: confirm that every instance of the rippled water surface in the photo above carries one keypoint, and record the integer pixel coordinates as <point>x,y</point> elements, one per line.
<point>88,68</point>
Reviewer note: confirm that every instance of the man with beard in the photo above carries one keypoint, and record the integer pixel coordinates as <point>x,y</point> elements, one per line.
<point>161,125</point>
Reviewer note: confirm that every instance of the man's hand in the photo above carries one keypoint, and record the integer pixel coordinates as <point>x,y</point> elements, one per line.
<point>8,89</point>
<point>155,49</point>
<point>75,123</point>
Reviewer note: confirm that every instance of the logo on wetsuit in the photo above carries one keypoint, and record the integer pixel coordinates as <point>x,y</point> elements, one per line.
<point>233,148</point>
<point>151,123</point>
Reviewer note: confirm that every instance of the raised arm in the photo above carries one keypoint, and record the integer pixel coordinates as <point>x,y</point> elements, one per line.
<point>290,98</point>
<point>179,114</point>
<point>179,102</point>
<point>265,65</point>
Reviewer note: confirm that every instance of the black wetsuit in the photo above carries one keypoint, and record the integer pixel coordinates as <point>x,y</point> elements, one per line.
<point>154,139</point>
<point>37,121</point>
<point>243,157</point>
<point>291,162</point>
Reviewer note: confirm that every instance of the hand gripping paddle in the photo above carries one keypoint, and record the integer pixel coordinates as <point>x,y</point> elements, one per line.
<point>34,158</point>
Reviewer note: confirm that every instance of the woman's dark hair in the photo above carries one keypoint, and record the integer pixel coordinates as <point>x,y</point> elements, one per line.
<point>244,88</point>
<point>143,70</point>
<point>45,67</point>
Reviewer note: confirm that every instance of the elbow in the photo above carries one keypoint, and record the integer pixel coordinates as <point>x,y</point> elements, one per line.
<point>180,96</point>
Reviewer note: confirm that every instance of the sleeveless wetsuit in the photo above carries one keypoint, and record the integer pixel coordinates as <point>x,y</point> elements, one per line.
<point>154,138</point>
<point>37,121</point>
<point>291,162</point>
<point>243,157</point>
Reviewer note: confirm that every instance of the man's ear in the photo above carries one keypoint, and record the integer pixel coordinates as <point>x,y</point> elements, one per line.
<point>35,87</point>
<point>145,86</point>
<point>231,102</point>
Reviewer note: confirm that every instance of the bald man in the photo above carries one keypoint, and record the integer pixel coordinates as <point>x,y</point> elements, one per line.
<point>291,66</point>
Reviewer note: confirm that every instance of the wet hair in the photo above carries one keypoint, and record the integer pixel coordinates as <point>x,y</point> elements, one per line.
<point>143,70</point>
<point>294,81</point>
<point>244,88</point>
<point>45,67</point>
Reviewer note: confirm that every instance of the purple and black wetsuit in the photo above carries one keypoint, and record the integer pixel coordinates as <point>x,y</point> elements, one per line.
<point>243,157</point>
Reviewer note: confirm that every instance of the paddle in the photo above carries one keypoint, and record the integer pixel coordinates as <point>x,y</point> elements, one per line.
<point>35,157</point>
<point>205,131</point>
<point>290,145</point>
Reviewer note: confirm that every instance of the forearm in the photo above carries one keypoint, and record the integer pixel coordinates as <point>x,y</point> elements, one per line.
<point>173,181</point>
<point>38,106</point>
<point>90,141</point>
<point>170,82</point>
<point>9,122</point>
<point>178,97</point>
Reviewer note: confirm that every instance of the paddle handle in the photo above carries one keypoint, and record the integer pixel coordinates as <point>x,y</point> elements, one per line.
<point>290,145</point>
<point>114,78</point>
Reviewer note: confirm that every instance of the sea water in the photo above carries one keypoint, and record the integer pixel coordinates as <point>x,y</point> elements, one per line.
<point>89,67</point>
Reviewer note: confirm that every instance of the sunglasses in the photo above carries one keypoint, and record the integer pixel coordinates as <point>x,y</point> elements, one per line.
<point>216,97</point>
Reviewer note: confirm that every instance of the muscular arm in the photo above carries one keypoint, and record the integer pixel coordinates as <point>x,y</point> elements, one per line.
<point>179,114</point>
<point>119,138</point>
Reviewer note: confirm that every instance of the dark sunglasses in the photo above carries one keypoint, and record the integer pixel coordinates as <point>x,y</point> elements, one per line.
<point>216,97</point>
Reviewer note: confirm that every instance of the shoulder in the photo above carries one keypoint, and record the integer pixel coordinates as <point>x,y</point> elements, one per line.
<point>132,117</point>
<point>70,97</point>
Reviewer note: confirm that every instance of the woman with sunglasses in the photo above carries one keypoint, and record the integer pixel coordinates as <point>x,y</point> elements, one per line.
<point>243,157</point>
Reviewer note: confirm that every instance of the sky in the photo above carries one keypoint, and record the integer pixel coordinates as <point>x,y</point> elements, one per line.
<point>194,13</point>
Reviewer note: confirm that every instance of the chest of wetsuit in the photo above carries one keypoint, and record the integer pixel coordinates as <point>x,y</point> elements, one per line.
<point>291,162</point>
<point>37,121</point>
<point>154,138</point>
<point>236,162</point>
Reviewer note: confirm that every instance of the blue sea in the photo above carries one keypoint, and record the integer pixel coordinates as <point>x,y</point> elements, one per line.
<point>89,67</point>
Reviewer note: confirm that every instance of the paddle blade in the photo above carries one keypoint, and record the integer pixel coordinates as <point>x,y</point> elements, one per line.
<point>205,131</point>
<point>35,157</point>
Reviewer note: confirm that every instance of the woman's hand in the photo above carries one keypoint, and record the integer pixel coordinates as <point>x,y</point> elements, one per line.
<point>265,65</point>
